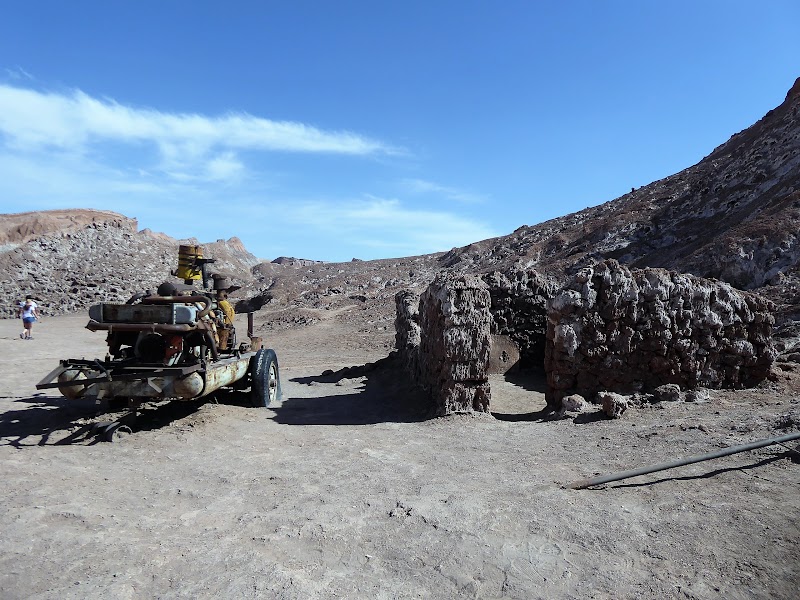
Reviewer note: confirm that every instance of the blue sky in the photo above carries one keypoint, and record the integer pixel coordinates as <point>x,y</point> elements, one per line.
<point>333,130</point>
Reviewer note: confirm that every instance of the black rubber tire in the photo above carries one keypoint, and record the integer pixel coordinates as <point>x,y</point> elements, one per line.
<point>116,432</point>
<point>265,386</point>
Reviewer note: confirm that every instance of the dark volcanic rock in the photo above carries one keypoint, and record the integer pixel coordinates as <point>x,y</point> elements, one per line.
<point>519,310</point>
<point>291,260</point>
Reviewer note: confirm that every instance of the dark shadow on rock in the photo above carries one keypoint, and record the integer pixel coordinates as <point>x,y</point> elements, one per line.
<point>385,397</point>
<point>590,417</point>
<point>531,380</point>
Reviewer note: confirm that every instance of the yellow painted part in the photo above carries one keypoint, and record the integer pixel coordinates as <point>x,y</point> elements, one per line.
<point>227,308</point>
<point>187,267</point>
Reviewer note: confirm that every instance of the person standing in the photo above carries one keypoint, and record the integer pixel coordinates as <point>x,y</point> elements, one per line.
<point>28,314</point>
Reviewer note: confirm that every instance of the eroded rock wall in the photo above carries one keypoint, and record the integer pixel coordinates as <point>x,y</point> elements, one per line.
<point>614,329</point>
<point>455,334</point>
<point>444,346</point>
<point>519,311</point>
<point>407,332</point>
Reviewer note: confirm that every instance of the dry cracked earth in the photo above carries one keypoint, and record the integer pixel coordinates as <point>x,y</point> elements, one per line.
<point>344,490</point>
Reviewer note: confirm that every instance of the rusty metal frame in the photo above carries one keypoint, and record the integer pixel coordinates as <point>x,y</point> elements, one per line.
<point>154,327</point>
<point>112,372</point>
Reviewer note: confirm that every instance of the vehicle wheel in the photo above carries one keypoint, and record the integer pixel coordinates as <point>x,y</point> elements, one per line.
<point>265,387</point>
<point>116,432</point>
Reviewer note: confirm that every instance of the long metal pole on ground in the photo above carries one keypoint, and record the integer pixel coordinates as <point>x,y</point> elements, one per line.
<point>584,483</point>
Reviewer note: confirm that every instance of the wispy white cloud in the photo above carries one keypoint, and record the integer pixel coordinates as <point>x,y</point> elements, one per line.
<point>421,186</point>
<point>386,224</point>
<point>189,145</point>
<point>74,151</point>
<point>270,223</point>
<point>18,73</point>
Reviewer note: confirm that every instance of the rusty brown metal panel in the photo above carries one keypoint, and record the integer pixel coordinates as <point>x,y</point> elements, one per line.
<point>503,355</point>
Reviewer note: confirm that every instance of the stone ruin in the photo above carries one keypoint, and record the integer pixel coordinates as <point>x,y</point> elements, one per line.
<point>519,311</point>
<point>615,329</point>
<point>608,330</point>
<point>443,342</point>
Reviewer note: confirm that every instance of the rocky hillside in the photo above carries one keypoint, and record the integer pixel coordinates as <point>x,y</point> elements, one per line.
<point>17,229</point>
<point>70,259</point>
<point>734,216</point>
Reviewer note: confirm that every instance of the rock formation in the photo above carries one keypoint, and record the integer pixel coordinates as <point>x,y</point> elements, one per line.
<point>620,330</point>
<point>448,352</point>
<point>609,331</point>
<point>407,331</point>
<point>19,228</point>
<point>519,310</point>
<point>72,259</point>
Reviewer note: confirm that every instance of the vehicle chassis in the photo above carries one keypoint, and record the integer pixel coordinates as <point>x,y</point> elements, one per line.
<point>129,380</point>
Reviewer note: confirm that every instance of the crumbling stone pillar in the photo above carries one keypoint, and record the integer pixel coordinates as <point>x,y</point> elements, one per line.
<point>444,346</point>
<point>407,332</point>
<point>455,324</point>
<point>625,331</point>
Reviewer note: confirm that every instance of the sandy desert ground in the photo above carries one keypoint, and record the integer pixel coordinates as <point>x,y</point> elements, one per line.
<point>343,491</point>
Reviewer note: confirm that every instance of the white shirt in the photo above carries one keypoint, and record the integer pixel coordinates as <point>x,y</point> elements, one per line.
<point>27,309</point>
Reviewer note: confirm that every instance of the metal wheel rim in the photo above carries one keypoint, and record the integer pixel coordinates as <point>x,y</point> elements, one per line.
<point>273,382</point>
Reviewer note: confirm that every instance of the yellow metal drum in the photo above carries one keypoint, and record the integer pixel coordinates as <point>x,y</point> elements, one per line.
<point>188,265</point>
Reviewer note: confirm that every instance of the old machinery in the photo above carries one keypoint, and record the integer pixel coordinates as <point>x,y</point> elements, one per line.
<point>179,343</point>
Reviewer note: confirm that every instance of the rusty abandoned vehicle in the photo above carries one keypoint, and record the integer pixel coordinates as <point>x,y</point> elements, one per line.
<point>176,344</point>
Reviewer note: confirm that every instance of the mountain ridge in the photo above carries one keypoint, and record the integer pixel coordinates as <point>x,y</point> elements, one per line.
<point>734,216</point>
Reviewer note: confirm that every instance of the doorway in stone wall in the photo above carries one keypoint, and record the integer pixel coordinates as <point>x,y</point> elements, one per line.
<point>518,386</point>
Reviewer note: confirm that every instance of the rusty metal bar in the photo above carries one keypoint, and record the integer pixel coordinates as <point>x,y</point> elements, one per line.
<point>584,483</point>
<point>123,375</point>
<point>45,382</point>
<point>155,327</point>
<point>181,300</point>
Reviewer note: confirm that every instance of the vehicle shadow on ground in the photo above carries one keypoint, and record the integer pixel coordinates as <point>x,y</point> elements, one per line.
<point>46,420</point>
<point>57,421</point>
<point>384,397</point>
